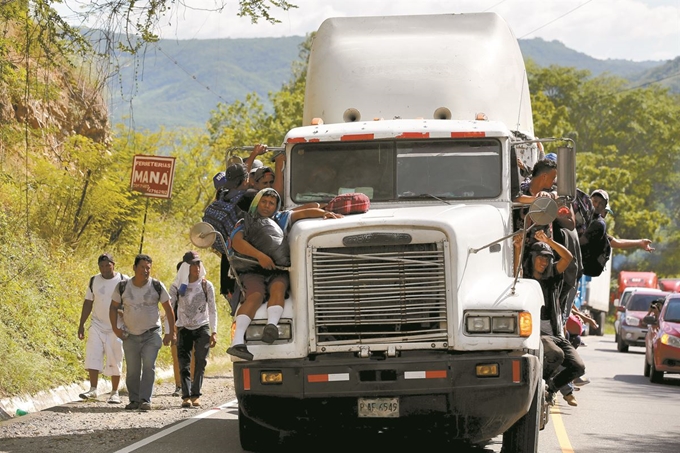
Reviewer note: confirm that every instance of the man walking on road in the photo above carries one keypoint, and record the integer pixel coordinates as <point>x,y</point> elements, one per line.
<point>101,341</point>
<point>139,298</point>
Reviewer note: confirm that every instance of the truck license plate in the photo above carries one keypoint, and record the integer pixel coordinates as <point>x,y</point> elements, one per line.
<point>378,407</point>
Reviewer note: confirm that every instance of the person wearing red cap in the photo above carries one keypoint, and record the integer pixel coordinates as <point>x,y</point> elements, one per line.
<point>101,341</point>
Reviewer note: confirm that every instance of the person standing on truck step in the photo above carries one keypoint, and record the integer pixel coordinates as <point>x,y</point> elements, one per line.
<point>540,185</point>
<point>265,279</point>
<point>101,341</point>
<point>235,198</point>
<point>139,298</point>
<point>194,297</point>
<point>558,351</point>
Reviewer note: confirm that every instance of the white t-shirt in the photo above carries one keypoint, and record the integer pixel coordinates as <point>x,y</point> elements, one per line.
<point>140,306</point>
<point>102,289</point>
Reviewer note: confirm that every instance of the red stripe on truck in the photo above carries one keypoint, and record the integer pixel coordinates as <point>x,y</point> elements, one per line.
<point>352,137</point>
<point>467,134</point>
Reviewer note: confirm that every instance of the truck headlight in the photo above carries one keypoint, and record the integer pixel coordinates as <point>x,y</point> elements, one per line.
<point>670,340</point>
<point>498,323</point>
<point>254,332</point>
<point>632,321</point>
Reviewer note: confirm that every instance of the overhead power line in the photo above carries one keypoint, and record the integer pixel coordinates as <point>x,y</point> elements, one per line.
<point>556,19</point>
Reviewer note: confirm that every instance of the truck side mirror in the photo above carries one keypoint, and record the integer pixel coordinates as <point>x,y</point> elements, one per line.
<point>650,320</point>
<point>621,309</point>
<point>566,172</point>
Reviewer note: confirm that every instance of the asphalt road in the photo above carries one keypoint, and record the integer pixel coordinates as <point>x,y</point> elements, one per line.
<point>620,410</point>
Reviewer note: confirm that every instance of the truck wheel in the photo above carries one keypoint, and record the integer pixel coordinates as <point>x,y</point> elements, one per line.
<point>255,437</point>
<point>621,346</point>
<point>522,437</point>
<point>647,367</point>
<point>601,320</point>
<point>655,376</point>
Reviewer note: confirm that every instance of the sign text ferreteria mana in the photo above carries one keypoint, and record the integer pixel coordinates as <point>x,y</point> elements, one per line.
<point>153,175</point>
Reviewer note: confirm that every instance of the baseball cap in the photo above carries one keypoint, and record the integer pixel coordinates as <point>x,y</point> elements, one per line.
<point>219,180</point>
<point>105,257</point>
<point>235,175</point>
<point>257,163</point>
<point>260,172</point>
<point>541,248</point>
<point>601,193</point>
<point>191,257</point>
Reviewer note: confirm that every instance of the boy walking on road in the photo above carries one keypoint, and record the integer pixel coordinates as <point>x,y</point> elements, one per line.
<point>139,297</point>
<point>101,341</point>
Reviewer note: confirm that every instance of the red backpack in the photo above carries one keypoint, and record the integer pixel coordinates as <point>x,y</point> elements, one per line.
<point>349,203</point>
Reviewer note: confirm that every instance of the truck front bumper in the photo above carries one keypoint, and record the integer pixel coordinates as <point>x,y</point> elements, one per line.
<point>324,391</point>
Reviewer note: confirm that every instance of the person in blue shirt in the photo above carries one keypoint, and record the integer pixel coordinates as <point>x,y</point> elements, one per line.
<point>266,280</point>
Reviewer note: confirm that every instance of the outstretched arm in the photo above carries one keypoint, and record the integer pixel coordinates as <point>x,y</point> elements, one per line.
<point>312,213</point>
<point>644,244</point>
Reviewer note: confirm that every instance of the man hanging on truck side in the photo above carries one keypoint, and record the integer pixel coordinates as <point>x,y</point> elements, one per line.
<point>539,266</point>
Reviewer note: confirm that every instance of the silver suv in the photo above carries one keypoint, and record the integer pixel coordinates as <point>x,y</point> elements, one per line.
<point>632,329</point>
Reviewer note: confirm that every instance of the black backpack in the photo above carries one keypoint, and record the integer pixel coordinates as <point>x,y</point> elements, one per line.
<point>223,215</point>
<point>595,257</point>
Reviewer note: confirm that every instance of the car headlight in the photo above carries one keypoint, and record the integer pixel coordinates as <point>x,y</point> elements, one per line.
<point>670,340</point>
<point>632,321</point>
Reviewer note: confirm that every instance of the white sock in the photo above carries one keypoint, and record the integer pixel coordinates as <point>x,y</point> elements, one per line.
<point>242,323</point>
<point>274,314</point>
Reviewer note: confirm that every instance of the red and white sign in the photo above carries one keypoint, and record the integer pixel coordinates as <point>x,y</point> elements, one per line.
<point>153,175</point>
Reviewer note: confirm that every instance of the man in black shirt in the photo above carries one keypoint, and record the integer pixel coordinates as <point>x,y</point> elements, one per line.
<point>540,265</point>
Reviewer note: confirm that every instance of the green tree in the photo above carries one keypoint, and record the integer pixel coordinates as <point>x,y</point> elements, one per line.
<point>247,122</point>
<point>627,141</point>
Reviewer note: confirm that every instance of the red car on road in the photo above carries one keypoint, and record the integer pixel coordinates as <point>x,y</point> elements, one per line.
<point>662,342</point>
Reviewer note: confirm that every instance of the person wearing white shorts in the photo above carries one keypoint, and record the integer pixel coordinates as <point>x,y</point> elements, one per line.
<point>103,350</point>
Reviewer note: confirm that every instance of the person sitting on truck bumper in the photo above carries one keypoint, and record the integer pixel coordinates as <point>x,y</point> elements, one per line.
<point>266,278</point>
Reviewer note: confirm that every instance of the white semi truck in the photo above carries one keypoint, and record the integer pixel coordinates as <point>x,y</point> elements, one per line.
<point>407,315</point>
<point>593,296</point>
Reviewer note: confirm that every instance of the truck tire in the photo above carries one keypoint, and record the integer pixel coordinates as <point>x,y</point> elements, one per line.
<point>621,345</point>
<point>255,437</point>
<point>522,437</point>
<point>655,376</point>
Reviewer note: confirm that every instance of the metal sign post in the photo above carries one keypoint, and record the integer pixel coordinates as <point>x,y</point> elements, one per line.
<point>152,176</point>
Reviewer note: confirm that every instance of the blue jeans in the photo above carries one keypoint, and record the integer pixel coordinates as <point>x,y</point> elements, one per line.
<point>140,357</point>
<point>199,341</point>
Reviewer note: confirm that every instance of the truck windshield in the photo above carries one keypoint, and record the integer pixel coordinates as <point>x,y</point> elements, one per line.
<point>397,170</point>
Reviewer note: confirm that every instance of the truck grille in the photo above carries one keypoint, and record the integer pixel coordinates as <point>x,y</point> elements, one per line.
<point>379,294</point>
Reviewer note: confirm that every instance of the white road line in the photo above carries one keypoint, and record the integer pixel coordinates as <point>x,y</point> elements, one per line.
<point>176,427</point>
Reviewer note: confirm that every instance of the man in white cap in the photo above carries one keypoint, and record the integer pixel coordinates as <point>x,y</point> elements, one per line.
<point>603,209</point>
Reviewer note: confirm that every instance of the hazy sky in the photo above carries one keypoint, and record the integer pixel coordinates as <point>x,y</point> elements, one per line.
<point>626,29</point>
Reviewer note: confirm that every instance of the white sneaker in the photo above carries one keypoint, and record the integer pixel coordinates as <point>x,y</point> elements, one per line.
<point>114,398</point>
<point>90,394</point>
<point>581,381</point>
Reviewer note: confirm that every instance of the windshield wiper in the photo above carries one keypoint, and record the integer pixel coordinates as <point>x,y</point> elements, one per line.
<point>424,195</point>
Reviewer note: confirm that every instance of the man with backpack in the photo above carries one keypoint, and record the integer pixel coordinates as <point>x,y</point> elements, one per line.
<point>193,298</point>
<point>101,341</point>
<point>234,198</point>
<point>139,298</point>
<point>594,242</point>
